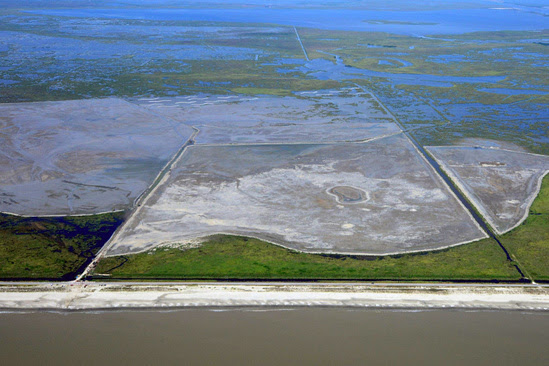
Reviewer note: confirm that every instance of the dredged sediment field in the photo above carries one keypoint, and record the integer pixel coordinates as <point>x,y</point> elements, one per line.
<point>97,155</point>
<point>343,115</point>
<point>501,183</point>
<point>288,195</point>
<point>81,156</point>
<point>326,171</point>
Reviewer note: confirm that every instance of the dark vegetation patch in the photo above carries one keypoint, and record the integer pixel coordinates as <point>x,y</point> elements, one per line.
<point>55,248</point>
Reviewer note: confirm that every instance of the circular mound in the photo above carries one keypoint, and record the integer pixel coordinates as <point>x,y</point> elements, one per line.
<point>348,194</point>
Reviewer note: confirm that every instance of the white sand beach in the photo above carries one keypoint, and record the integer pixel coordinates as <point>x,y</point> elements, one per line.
<point>105,296</point>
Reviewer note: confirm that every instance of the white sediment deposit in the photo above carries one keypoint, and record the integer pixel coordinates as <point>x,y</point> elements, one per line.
<point>378,197</point>
<point>98,296</point>
<point>502,183</point>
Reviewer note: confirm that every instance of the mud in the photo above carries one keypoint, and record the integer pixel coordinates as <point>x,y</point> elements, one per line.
<point>501,183</point>
<point>281,193</point>
<point>81,157</point>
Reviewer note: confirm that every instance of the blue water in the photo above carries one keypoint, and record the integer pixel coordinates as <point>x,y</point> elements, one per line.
<point>512,91</point>
<point>448,21</point>
<point>37,46</point>
<point>7,82</point>
<point>327,70</point>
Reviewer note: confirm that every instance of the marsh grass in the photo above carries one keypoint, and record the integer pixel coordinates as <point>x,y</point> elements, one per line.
<point>51,248</point>
<point>240,258</point>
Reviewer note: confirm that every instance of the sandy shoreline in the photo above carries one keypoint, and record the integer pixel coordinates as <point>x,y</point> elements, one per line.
<point>130,296</point>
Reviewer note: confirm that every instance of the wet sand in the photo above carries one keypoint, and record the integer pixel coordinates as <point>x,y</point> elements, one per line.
<point>275,337</point>
<point>84,296</point>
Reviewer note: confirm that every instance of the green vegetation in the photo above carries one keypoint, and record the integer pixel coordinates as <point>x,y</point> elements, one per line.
<point>470,54</point>
<point>233,257</point>
<point>529,242</point>
<point>51,248</point>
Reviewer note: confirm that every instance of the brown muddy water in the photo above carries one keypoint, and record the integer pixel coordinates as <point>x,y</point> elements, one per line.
<point>313,336</point>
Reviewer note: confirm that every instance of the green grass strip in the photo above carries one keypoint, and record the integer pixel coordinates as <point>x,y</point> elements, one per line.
<point>234,257</point>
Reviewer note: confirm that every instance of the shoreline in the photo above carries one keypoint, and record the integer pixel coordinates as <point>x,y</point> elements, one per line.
<point>251,308</point>
<point>98,296</point>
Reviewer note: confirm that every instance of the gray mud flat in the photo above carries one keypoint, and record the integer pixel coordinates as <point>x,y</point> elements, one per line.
<point>81,157</point>
<point>501,183</point>
<point>343,115</point>
<point>378,197</point>
<point>294,133</point>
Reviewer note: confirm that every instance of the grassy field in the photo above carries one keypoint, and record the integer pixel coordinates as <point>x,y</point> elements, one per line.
<point>529,242</point>
<point>233,257</point>
<point>51,248</point>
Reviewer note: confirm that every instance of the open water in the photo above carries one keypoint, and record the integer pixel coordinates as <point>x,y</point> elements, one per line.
<point>401,22</point>
<point>313,336</point>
